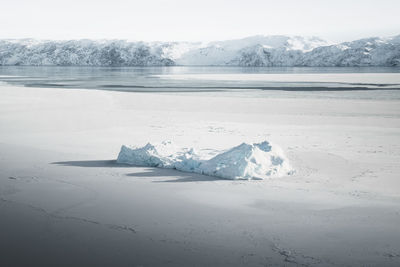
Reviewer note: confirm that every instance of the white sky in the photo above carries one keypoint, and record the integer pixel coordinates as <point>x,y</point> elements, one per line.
<point>205,20</point>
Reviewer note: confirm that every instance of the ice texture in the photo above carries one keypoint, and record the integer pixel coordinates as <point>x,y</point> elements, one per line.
<point>245,161</point>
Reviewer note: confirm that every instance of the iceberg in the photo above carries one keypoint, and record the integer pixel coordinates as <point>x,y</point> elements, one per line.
<point>246,161</point>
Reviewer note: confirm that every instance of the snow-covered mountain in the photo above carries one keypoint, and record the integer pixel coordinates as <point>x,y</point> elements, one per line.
<point>83,52</point>
<point>276,50</point>
<point>364,52</point>
<point>231,52</point>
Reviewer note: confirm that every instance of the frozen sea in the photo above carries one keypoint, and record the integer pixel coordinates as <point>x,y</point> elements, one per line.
<point>359,83</point>
<point>66,201</point>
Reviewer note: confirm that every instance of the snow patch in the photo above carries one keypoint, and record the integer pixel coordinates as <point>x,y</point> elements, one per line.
<point>246,161</point>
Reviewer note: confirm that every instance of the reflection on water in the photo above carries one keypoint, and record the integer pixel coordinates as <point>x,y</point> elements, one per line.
<point>195,79</point>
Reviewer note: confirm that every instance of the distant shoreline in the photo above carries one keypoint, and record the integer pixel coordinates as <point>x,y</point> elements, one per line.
<point>138,88</point>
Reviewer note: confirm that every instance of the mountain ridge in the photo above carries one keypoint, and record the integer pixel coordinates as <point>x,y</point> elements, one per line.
<point>252,51</point>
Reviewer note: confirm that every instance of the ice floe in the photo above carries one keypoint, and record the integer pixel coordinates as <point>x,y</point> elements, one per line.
<point>245,161</point>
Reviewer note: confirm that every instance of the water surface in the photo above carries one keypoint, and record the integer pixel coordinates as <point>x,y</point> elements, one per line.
<point>314,82</point>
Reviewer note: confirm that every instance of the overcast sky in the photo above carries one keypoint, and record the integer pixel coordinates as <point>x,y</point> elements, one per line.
<point>205,20</point>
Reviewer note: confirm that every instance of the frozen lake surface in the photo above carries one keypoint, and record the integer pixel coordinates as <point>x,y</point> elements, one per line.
<point>65,201</point>
<point>277,81</point>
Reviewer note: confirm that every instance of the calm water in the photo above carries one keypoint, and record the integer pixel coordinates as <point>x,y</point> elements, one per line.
<point>332,82</point>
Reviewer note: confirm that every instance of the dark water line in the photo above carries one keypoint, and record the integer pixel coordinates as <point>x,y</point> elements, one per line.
<point>142,88</point>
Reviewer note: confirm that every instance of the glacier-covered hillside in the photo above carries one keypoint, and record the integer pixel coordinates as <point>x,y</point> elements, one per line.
<point>252,51</point>
<point>83,53</point>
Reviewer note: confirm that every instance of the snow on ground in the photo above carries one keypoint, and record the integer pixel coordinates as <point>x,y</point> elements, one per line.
<point>245,161</point>
<point>64,201</point>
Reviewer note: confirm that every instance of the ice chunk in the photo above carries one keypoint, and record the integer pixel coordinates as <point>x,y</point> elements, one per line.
<point>246,161</point>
